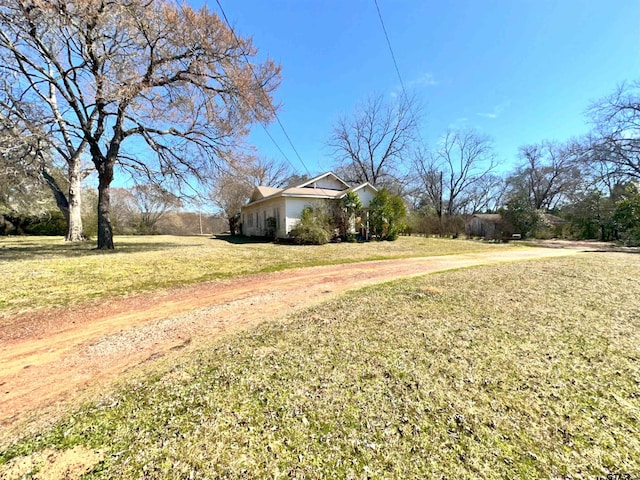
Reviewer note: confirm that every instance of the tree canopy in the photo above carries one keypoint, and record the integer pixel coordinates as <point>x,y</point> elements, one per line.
<point>107,71</point>
<point>372,144</point>
<point>616,137</point>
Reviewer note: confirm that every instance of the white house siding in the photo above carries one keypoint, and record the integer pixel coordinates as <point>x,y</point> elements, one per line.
<point>253,218</point>
<point>366,195</point>
<point>328,182</point>
<point>295,206</point>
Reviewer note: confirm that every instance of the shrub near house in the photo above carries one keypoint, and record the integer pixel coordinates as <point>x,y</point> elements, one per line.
<point>314,228</point>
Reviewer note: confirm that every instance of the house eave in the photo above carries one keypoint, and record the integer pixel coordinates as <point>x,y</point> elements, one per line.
<point>291,195</point>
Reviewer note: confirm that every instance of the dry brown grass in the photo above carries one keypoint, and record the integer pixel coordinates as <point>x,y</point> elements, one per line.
<point>527,370</point>
<point>43,272</point>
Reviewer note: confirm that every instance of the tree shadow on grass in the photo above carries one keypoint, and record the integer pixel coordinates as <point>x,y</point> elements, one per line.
<point>633,250</point>
<point>35,249</point>
<point>241,239</point>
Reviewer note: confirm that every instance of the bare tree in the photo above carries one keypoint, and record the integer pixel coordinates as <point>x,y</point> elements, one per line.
<point>486,194</point>
<point>125,214</point>
<point>264,171</point>
<point>152,203</point>
<point>615,141</point>
<point>548,176</point>
<point>107,71</point>
<point>295,179</point>
<point>456,178</point>
<point>233,186</point>
<point>28,147</point>
<point>373,143</point>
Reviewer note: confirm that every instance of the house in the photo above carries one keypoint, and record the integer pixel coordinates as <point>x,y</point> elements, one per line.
<point>275,211</point>
<point>487,225</point>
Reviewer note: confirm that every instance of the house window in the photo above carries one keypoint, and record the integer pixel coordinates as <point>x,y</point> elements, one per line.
<point>278,218</point>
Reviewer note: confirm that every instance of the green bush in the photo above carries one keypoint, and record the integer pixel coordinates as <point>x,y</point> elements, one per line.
<point>314,227</point>
<point>627,217</point>
<point>50,223</point>
<point>54,224</point>
<point>387,213</point>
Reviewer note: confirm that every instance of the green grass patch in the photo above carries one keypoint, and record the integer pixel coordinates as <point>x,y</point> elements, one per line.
<point>524,370</point>
<point>44,272</point>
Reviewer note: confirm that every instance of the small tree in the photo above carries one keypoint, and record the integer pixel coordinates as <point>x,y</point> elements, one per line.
<point>152,202</point>
<point>591,216</point>
<point>386,215</point>
<point>349,205</point>
<point>521,215</point>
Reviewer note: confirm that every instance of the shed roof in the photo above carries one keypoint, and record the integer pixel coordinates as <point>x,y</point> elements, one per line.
<point>489,217</point>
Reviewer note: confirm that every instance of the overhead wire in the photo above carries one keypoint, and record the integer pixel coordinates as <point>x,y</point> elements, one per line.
<point>395,64</point>
<point>261,123</point>
<point>273,110</point>
<point>393,57</point>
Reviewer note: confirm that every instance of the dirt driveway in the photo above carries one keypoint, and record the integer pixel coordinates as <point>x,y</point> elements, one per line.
<point>55,357</point>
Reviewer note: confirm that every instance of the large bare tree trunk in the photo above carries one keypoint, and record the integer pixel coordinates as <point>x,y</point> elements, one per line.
<point>74,217</point>
<point>61,199</point>
<point>105,232</point>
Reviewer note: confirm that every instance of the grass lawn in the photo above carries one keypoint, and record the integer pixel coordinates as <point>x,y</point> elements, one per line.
<point>524,370</point>
<point>42,272</point>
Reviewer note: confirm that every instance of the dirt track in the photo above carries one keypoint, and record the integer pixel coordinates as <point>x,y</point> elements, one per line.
<point>54,356</point>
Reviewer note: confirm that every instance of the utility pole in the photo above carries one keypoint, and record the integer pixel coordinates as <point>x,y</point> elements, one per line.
<point>440,206</point>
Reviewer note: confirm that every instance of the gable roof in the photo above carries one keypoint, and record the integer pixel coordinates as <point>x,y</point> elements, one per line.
<point>309,189</point>
<point>311,192</point>
<point>315,180</point>
<point>361,186</point>
<point>262,192</point>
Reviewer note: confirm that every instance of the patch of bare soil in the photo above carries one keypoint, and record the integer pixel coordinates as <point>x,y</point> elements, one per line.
<point>52,464</point>
<point>51,360</point>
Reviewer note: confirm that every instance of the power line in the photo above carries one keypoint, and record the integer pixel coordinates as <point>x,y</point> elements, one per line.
<point>261,124</point>
<point>278,146</point>
<point>224,15</point>
<point>395,63</point>
<point>390,49</point>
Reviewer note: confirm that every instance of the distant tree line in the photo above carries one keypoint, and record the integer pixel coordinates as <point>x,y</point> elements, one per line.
<point>591,184</point>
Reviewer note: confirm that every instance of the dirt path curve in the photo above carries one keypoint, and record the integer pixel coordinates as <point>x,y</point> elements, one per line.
<point>52,356</point>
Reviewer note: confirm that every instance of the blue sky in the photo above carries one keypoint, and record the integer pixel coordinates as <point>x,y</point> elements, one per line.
<point>521,71</point>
